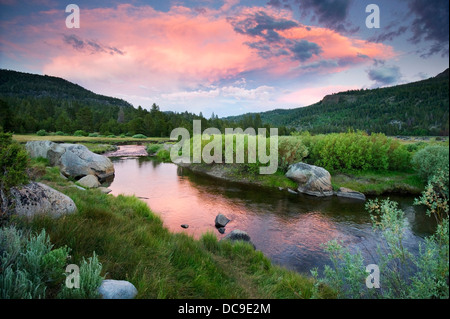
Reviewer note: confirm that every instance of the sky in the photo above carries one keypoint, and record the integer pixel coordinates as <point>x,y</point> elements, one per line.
<point>226,57</point>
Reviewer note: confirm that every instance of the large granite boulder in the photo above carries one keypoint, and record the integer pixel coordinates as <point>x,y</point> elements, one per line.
<point>39,199</point>
<point>311,180</point>
<point>74,160</point>
<point>117,289</point>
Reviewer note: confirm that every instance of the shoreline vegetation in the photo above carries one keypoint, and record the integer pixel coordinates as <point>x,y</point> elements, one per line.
<point>131,242</point>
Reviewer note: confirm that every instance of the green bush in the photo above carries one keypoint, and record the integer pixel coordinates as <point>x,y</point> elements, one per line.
<point>153,148</point>
<point>402,274</point>
<point>291,150</point>
<point>431,159</point>
<point>13,165</point>
<point>30,268</point>
<point>60,133</point>
<point>399,157</point>
<point>93,134</point>
<point>41,133</point>
<point>139,136</point>
<point>80,133</point>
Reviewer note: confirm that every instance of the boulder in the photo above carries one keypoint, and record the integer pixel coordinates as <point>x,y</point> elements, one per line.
<point>105,190</point>
<point>74,160</point>
<point>311,180</point>
<point>221,221</point>
<point>349,193</point>
<point>89,181</point>
<point>38,199</point>
<point>117,289</point>
<point>238,234</point>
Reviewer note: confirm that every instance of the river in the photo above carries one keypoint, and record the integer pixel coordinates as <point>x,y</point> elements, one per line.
<point>290,229</point>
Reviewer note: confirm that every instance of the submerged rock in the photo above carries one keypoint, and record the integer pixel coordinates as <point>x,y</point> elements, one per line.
<point>39,199</point>
<point>238,234</point>
<point>311,180</point>
<point>349,193</point>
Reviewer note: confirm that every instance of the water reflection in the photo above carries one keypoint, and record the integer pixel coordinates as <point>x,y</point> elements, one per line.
<point>290,229</point>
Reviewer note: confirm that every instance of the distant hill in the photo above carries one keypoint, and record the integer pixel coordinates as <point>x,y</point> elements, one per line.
<point>19,84</point>
<point>418,108</point>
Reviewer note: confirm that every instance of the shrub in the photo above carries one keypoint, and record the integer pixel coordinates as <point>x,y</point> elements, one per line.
<point>290,150</point>
<point>429,160</point>
<point>139,136</point>
<point>153,148</point>
<point>402,274</point>
<point>32,269</point>
<point>93,134</point>
<point>399,157</point>
<point>13,166</point>
<point>80,133</point>
<point>41,133</point>
<point>60,133</point>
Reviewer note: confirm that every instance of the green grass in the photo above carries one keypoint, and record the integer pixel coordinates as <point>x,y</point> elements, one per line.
<point>80,139</point>
<point>132,244</point>
<point>377,183</point>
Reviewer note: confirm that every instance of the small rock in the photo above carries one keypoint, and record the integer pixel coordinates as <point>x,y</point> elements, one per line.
<point>117,289</point>
<point>105,190</point>
<point>349,193</point>
<point>89,181</point>
<point>184,225</point>
<point>221,221</point>
<point>221,230</point>
<point>292,191</point>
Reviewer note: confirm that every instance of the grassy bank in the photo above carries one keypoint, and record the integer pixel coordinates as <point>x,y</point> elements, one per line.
<point>87,139</point>
<point>132,244</point>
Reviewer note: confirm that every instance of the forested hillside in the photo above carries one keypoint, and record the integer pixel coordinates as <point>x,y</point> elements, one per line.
<point>30,103</point>
<point>419,108</point>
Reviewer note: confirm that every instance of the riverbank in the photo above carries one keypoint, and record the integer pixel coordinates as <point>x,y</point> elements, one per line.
<point>132,244</point>
<point>368,183</point>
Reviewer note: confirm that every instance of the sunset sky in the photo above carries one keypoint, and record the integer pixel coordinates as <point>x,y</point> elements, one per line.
<point>228,57</point>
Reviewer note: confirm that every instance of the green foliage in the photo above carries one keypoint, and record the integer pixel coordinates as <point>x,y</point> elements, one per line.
<point>153,148</point>
<point>139,136</point>
<point>41,133</point>
<point>30,268</point>
<point>419,108</point>
<point>80,133</point>
<point>431,159</point>
<point>402,273</point>
<point>290,150</point>
<point>13,165</point>
<point>350,151</point>
<point>90,280</point>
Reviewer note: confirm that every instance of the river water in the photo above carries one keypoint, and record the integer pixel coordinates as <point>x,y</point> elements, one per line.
<point>290,229</point>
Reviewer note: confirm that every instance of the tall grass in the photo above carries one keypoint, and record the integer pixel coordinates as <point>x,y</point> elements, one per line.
<point>132,244</point>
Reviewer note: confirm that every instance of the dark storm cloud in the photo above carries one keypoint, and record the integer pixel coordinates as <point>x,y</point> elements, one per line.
<point>269,42</point>
<point>261,24</point>
<point>304,50</point>
<point>330,13</point>
<point>89,45</point>
<point>431,24</point>
<point>385,75</point>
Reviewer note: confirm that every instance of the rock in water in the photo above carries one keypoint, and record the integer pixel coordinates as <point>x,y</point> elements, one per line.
<point>74,160</point>
<point>221,221</point>
<point>238,234</point>
<point>38,199</point>
<point>311,180</point>
<point>117,289</point>
<point>89,181</point>
<point>349,193</point>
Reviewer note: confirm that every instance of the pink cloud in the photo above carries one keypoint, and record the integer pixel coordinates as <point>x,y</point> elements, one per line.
<point>309,96</point>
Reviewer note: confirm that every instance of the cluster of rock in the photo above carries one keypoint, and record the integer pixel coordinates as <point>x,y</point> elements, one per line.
<point>316,181</point>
